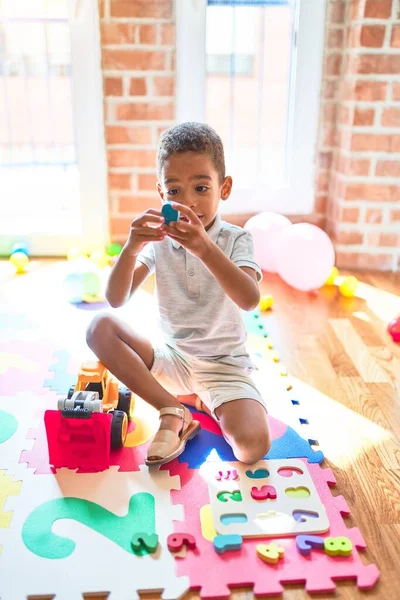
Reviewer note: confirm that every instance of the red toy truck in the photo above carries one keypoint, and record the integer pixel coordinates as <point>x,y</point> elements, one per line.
<point>91,421</point>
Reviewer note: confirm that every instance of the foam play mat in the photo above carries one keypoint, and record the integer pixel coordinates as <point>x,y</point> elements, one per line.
<point>130,529</point>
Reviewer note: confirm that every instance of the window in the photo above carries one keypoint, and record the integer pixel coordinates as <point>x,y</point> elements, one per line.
<point>256,80</point>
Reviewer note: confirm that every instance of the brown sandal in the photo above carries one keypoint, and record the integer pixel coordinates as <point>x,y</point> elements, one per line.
<point>169,444</point>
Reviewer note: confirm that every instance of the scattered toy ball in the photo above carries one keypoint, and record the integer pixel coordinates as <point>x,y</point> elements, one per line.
<point>20,247</point>
<point>394,329</point>
<point>266,302</point>
<point>100,258</point>
<point>332,276</point>
<point>19,260</point>
<point>113,249</point>
<point>348,286</point>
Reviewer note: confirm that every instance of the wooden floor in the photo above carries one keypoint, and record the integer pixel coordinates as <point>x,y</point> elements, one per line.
<point>349,370</point>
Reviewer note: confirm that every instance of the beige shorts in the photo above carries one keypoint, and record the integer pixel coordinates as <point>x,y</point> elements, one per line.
<point>214,382</point>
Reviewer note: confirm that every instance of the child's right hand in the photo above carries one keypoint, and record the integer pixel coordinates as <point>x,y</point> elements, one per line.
<point>145,228</point>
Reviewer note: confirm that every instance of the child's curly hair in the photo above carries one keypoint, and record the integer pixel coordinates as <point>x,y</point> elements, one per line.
<point>192,137</point>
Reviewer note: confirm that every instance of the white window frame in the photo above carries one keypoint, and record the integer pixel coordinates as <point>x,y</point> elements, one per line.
<point>298,196</point>
<point>88,114</point>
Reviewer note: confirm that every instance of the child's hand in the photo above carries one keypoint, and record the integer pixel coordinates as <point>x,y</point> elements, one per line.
<point>189,232</point>
<point>145,228</point>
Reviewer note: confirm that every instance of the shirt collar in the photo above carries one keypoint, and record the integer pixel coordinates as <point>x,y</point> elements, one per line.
<point>213,232</point>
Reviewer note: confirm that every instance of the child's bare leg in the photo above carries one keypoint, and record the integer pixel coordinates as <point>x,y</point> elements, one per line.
<point>244,424</point>
<point>130,357</point>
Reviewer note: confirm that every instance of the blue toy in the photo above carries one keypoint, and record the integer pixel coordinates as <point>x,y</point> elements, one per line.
<point>169,213</point>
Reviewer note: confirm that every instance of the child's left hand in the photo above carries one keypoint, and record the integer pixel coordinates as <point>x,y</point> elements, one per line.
<point>191,233</point>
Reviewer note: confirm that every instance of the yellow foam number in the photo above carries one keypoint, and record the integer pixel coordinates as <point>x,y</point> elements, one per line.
<point>270,553</point>
<point>8,487</point>
<point>338,546</point>
<point>208,530</point>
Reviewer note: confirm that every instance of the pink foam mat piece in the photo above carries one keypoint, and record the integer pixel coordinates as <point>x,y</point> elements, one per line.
<point>318,571</point>
<point>39,354</point>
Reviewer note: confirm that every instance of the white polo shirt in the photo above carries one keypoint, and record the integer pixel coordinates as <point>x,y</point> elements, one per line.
<point>196,315</point>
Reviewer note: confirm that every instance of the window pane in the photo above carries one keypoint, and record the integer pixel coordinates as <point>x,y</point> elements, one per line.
<point>39,178</point>
<point>248,87</point>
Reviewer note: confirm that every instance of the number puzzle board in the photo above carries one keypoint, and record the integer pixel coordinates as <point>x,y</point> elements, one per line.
<point>296,509</point>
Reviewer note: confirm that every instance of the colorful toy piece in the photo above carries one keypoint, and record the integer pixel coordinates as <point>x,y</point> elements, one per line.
<point>20,247</point>
<point>266,302</point>
<point>88,423</point>
<point>19,260</point>
<point>223,543</point>
<point>227,475</point>
<point>99,258</point>
<point>394,329</point>
<point>146,540</point>
<point>270,553</point>
<point>338,546</point>
<point>265,493</point>
<point>113,249</point>
<point>305,543</point>
<point>176,541</point>
<point>348,286</point>
<point>169,213</point>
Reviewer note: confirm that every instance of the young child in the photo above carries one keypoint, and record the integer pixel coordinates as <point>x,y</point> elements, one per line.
<point>205,273</point>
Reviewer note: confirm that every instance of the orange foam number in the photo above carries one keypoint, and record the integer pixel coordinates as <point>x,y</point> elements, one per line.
<point>338,546</point>
<point>176,541</point>
<point>270,553</point>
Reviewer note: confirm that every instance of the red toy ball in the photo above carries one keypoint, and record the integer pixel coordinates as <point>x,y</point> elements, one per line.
<point>394,329</point>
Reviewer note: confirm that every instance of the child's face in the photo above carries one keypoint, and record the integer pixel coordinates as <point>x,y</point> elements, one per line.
<point>190,178</point>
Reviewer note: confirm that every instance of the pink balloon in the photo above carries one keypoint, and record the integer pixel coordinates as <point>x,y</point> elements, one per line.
<point>305,257</point>
<point>266,229</point>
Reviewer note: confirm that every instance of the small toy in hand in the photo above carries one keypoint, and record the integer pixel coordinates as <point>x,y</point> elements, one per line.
<point>169,213</point>
<point>394,329</point>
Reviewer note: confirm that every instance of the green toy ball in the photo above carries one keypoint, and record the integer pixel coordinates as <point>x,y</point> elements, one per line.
<point>113,249</point>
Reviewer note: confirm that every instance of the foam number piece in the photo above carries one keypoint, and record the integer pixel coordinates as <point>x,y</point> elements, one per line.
<point>8,487</point>
<point>176,541</point>
<point>236,496</point>
<point>149,541</point>
<point>265,493</point>
<point>169,213</point>
<point>257,474</point>
<point>37,530</point>
<point>301,516</point>
<point>270,553</point>
<point>338,546</point>
<point>227,475</point>
<point>299,492</point>
<point>223,543</point>
<point>305,543</point>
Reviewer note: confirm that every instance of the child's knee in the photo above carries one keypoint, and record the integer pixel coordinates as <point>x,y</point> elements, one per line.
<point>100,328</point>
<point>250,447</point>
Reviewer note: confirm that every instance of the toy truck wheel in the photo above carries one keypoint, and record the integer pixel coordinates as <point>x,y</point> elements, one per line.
<point>119,429</point>
<point>71,392</point>
<point>126,401</point>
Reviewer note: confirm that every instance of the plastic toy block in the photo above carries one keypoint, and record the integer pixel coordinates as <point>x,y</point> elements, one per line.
<point>305,543</point>
<point>338,546</point>
<point>257,474</point>
<point>235,495</point>
<point>265,493</point>
<point>289,387</point>
<point>270,553</point>
<point>149,541</point>
<point>223,543</point>
<point>276,357</point>
<point>176,541</point>
<point>169,213</point>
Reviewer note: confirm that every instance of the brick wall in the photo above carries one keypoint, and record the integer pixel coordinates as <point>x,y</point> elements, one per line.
<point>358,173</point>
<point>358,170</point>
<point>138,56</point>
